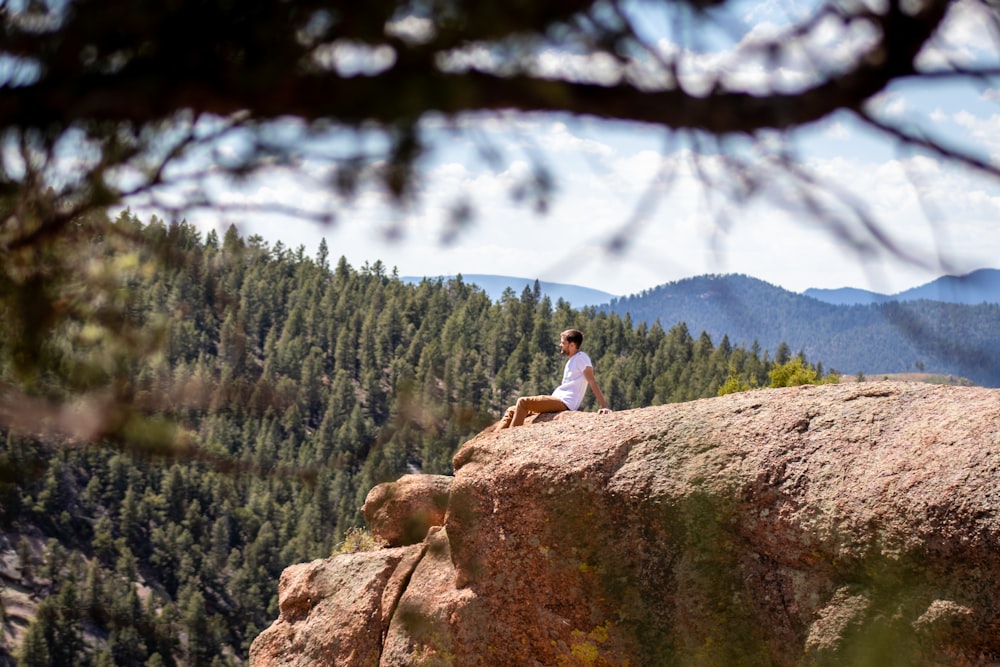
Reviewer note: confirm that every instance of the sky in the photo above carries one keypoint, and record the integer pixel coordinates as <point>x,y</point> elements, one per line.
<point>646,187</point>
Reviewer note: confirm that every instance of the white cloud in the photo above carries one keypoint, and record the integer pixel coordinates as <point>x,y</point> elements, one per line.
<point>558,137</point>
<point>984,132</point>
<point>890,105</point>
<point>350,58</point>
<point>783,11</point>
<point>799,61</point>
<point>475,56</point>
<point>412,28</point>
<point>836,130</point>
<point>967,35</point>
<point>599,68</point>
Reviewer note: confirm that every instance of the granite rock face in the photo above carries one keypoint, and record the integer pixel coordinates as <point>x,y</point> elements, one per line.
<point>335,611</point>
<point>853,524</point>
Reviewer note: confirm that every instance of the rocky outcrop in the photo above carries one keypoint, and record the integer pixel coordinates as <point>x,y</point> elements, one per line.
<point>848,524</point>
<point>331,612</point>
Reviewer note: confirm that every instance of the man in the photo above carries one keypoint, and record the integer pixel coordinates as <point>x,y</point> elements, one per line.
<point>577,376</point>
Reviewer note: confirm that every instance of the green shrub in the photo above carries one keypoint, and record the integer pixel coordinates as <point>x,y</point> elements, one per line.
<point>357,539</point>
<point>796,372</point>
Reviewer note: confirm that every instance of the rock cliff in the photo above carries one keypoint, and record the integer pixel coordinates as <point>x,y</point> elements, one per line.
<point>852,524</point>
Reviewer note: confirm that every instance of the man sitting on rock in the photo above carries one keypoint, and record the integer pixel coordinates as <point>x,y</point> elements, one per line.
<point>578,374</point>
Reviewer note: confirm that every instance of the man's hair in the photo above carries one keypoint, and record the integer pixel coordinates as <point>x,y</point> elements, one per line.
<point>574,336</point>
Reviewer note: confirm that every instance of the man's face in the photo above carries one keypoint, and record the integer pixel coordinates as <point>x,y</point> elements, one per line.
<point>564,346</point>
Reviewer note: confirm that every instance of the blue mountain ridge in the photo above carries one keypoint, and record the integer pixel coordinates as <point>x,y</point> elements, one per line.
<point>981,286</point>
<point>494,286</point>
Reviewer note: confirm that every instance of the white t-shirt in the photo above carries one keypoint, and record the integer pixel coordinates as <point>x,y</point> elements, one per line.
<point>574,384</point>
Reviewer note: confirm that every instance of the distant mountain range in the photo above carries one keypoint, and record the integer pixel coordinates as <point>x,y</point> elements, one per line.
<point>894,336</point>
<point>494,286</point>
<point>982,286</point>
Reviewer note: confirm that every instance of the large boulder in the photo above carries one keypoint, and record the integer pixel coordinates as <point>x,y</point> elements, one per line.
<point>401,512</point>
<point>336,611</point>
<point>848,524</point>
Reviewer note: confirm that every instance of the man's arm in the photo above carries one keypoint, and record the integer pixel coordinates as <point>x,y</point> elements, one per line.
<point>588,373</point>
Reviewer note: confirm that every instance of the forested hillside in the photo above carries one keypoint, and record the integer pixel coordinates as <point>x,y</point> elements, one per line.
<point>892,337</point>
<point>297,384</point>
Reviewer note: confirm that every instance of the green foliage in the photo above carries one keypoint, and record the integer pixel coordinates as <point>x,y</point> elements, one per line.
<point>791,373</point>
<point>733,384</point>
<point>276,393</point>
<point>796,372</point>
<point>357,539</point>
<point>34,649</point>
